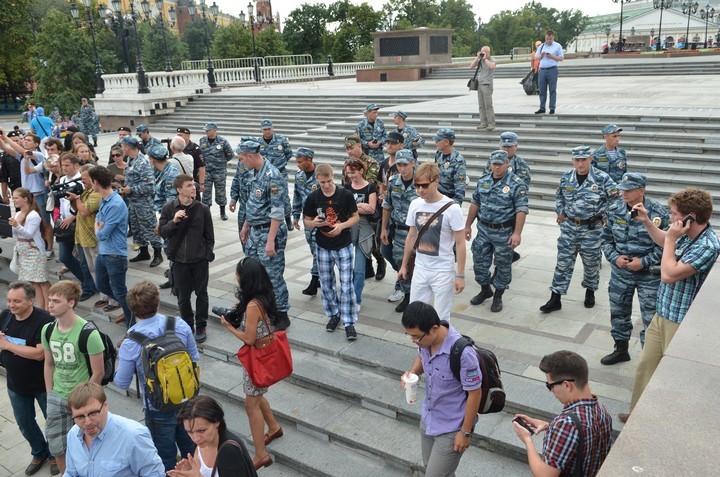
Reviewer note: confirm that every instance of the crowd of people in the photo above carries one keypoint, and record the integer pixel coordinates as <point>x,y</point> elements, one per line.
<point>382,204</point>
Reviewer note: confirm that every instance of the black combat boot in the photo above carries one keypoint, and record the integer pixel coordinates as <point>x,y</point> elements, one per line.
<point>589,299</point>
<point>497,304</point>
<point>403,304</point>
<point>312,289</point>
<point>283,321</point>
<point>485,293</point>
<point>143,255</point>
<point>620,354</point>
<point>381,267</point>
<point>223,215</point>
<point>289,223</point>
<point>369,272</point>
<point>553,303</point>
<point>516,256</point>
<point>158,258</point>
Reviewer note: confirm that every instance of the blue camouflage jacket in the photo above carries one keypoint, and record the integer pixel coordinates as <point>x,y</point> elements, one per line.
<point>266,196</point>
<point>589,200</point>
<point>277,151</point>
<point>304,186</point>
<point>500,201</point>
<point>615,168</point>
<point>452,175</point>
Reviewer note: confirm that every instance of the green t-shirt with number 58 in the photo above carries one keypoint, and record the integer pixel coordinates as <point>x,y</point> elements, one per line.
<point>70,364</point>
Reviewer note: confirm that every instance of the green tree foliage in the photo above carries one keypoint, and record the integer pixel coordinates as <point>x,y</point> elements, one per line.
<point>413,13</point>
<point>305,29</point>
<point>194,38</point>
<point>153,48</point>
<point>269,42</point>
<point>356,23</point>
<point>15,41</point>
<point>232,41</point>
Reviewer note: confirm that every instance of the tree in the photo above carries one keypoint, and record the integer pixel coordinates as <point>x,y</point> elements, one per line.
<point>356,25</point>
<point>305,30</point>
<point>269,42</point>
<point>458,14</point>
<point>15,41</point>
<point>413,13</point>
<point>153,48</point>
<point>194,38</point>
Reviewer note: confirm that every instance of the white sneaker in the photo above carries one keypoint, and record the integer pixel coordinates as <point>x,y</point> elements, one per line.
<point>396,295</point>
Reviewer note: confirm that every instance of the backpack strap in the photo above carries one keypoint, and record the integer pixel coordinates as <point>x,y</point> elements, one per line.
<point>170,325</point>
<point>48,331</point>
<point>6,320</point>
<point>580,456</point>
<point>456,352</point>
<point>139,338</point>
<point>87,328</point>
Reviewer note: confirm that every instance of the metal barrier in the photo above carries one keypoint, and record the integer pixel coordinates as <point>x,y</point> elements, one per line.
<point>224,63</point>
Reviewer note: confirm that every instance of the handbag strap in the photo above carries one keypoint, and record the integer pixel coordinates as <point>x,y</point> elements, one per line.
<point>264,317</point>
<point>424,228</point>
<point>229,442</point>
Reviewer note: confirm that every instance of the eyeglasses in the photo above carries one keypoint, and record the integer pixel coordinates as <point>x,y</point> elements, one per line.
<point>552,385</point>
<point>115,155</point>
<point>423,185</point>
<point>415,339</point>
<point>90,415</point>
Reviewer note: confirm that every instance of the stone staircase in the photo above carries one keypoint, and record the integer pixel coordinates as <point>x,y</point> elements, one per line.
<point>673,151</point>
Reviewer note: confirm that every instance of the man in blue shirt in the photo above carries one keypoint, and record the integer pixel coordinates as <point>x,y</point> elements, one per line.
<point>41,124</point>
<point>102,444</point>
<point>166,431</point>
<point>111,224</point>
<point>550,53</point>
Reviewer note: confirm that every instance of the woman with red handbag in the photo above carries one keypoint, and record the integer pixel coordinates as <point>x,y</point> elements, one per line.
<point>253,322</point>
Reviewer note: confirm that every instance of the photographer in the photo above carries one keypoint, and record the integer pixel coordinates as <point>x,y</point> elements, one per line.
<point>65,227</point>
<point>690,249</point>
<point>485,87</point>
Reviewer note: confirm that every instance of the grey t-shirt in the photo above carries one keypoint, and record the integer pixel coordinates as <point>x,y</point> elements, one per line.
<point>485,74</point>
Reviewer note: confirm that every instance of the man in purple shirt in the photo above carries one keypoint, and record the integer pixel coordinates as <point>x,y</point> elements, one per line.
<point>450,406</point>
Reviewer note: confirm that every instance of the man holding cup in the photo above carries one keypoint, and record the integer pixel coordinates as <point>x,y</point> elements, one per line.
<point>450,406</point>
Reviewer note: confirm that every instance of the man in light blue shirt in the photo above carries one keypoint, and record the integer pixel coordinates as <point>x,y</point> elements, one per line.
<point>101,444</point>
<point>550,53</point>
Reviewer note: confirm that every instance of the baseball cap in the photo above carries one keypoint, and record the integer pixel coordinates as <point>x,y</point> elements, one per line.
<point>395,137</point>
<point>508,138</point>
<point>304,152</point>
<point>209,126</point>
<point>248,147</point>
<point>632,180</point>
<point>400,114</point>
<point>352,140</point>
<point>130,141</point>
<point>498,157</point>
<point>158,153</point>
<point>581,152</point>
<point>444,133</point>
<point>404,156</point>
<point>611,129</point>
<point>142,128</point>
<point>266,124</point>
<point>371,107</point>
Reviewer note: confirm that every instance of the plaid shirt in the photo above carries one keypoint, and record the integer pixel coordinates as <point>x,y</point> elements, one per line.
<point>561,439</point>
<point>674,299</point>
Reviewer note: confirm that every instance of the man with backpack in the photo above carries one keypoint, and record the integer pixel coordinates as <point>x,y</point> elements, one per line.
<point>450,409</point>
<point>149,342</point>
<point>580,436</point>
<point>64,342</point>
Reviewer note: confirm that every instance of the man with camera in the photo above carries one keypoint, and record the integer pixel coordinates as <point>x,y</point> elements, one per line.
<point>690,249</point>
<point>632,254</point>
<point>71,183</point>
<point>486,70</point>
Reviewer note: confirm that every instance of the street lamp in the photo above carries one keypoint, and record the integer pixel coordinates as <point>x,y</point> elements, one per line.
<point>688,8</point>
<point>160,23</point>
<point>620,41</point>
<point>577,32</point>
<point>192,9</point>
<point>116,19</point>
<point>115,22</point>
<point>662,5</point>
<point>100,88</point>
<point>706,14</point>
<point>251,19</point>
<point>538,29</point>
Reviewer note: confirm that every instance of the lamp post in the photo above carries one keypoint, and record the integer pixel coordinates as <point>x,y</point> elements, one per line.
<point>607,37</point>
<point>251,24</point>
<point>116,23</point>
<point>620,41</point>
<point>160,23</point>
<point>192,9</point>
<point>100,87</point>
<point>577,32</point>
<point>538,29</point>
<point>662,5</point>
<point>688,8</point>
<point>706,14</point>
<point>116,17</point>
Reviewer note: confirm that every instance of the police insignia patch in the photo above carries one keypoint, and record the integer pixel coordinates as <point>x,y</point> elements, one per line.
<point>594,187</point>
<point>258,193</point>
<point>447,164</point>
<point>509,169</point>
<point>657,221</point>
<point>280,147</point>
<point>405,135</point>
<point>314,187</point>
<point>218,147</point>
<point>621,165</point>
<point>506,189</point>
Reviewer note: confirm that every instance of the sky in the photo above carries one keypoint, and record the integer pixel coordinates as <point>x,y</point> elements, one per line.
<point>482,8</point>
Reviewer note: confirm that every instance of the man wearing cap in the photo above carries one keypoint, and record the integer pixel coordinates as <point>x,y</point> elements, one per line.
<point>411,137</point>
<point>451,164</point>
<point>609,158</point>
<point>581,201</point>
<point>139,192</point>
<point>387,170</point>
<point>394,230</point>
<point>500,205</point>
<point>43,126</point>
<point>517,165</point>
<point>194,150</point>
<point>550,54</point>
<point>217,152</point>
<point>240,187</point>
<point>485,75</point>
<point>89,121</point>
<point>263,233</point>
<point>305,184</point>
<point>164,190</point>
<point>146,140</point>
<point>276,149</point>
<point>371,132</point>
<point>630,249</point>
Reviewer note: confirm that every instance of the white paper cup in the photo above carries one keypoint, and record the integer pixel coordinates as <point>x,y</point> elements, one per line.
<point>411,386</point>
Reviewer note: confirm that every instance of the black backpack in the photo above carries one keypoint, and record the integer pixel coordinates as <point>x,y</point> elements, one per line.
<point>109,355</point>
<point>493,395</point>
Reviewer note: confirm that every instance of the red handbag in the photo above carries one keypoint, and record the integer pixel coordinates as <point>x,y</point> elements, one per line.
<point>268,360</point>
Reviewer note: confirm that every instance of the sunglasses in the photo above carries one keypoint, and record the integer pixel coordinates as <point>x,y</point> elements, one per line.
<point>423,185</point>
<point>115,155</point>
<point>552,385</point>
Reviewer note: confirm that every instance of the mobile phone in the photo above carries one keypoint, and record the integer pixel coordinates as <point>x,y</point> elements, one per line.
<point>686,218</point>
<point>524,424</point>
<point>633,213</point>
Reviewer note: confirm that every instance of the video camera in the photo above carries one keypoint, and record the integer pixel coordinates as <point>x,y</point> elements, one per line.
<point>61,190</point>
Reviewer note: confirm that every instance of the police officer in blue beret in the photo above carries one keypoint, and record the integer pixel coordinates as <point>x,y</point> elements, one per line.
<point>411,137</point>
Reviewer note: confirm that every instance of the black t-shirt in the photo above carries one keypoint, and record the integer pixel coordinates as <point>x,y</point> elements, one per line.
<point>24,376</point>
<point>362,195</point>
<point>336,208</point>
<point>10,171</point>
<point>386,171</point>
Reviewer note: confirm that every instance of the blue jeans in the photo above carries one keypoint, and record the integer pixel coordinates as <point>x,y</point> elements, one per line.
<point>41,200</point>
<point>166,433</point>
<point>387,253</point>
<point>359,274</point>
<point>78,267</point>
<point>548,79</point>
<point>110,279</point>
<point>24,411</point>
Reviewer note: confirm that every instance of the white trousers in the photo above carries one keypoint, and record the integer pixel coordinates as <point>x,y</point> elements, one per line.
<point>427,284</point>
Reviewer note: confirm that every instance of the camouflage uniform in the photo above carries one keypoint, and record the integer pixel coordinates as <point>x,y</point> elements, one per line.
<point>518,166</point>
<point>397,201</point>
<point>140,178</point>
<point>164,189</point>
<point>369,133</point>
<point>217,153</point>
<point>278,152</point>
<point>305,185</point>
<point>410,134</point>
<point>239,190</point>
<point>89,123</point>
<point>614,167</point>
<point>625,236</point>
<point>584,207</point>
<point>266,201</point>
<point>499,203</point>
<point>452,175</point>
<point>150,144</point>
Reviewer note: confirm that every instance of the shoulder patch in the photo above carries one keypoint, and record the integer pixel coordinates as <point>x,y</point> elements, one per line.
<point>657,221</point>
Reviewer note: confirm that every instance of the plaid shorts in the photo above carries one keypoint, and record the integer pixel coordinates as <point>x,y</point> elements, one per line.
<point>58,423</point>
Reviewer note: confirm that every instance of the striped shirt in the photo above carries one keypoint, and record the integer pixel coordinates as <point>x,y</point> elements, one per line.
<point>561,439</point>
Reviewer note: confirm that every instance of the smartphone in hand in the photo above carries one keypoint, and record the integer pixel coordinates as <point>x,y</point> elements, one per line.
<point>525,425</point>
<point>687,218</point>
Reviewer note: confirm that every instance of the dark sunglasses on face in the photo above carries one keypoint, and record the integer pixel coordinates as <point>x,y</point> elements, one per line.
<point>423,185</point>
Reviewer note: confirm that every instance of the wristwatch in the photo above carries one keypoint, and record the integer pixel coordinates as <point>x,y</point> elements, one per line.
<point>466,434</point>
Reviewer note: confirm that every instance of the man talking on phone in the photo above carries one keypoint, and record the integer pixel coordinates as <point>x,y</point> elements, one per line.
<point>690,249</point>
